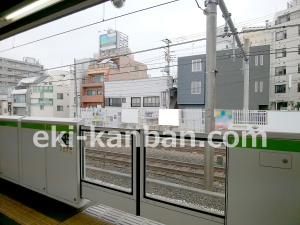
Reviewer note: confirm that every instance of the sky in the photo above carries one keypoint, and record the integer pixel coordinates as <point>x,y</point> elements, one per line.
<point>178,21</point>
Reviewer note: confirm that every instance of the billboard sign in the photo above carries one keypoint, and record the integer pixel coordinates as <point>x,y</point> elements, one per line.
<point>223,118</point>
<point>108,41</point>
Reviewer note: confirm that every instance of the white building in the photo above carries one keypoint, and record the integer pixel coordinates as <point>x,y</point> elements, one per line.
<point>51,97</point>
<point>81,67</point>
<point>285,58</point>
<point>154,92</point>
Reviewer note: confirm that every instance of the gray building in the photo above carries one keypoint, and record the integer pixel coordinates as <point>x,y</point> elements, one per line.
<point>229,80</point>
<point>12,71</point>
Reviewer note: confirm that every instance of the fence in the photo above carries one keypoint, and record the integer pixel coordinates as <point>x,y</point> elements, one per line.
<point>190,119</point>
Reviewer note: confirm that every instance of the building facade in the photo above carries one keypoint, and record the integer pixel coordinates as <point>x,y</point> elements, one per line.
<point>12,71</point>
<point>229,80</point>
<point>285,58</point>
<point>154,92</point>
<point>109,69</point>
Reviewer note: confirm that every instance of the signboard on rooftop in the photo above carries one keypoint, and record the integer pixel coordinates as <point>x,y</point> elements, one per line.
<point>108,41</point>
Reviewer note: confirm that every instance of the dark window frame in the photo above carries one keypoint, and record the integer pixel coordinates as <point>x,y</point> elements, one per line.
<point>283,88</point>
<point>136,104</point>
<point>147,104</point>
<point>283,69</point>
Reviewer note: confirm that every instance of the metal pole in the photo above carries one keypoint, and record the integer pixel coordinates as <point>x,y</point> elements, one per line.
<point>227,17</point>
<point>76,94</point>
<point>210,93</point>
<point>246,77</point>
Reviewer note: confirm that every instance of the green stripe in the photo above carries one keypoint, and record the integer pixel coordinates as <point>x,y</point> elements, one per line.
<point>37,126</point>
<point>271,144</point>
<point>61,128</point>
<point>9,123</point>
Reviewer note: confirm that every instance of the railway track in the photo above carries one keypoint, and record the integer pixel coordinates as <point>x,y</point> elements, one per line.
<point>155,165</point>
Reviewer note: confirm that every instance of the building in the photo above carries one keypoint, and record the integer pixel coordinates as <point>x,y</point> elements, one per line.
<point>51,97</point>
<point>108,69</point>
<point>229,80</point>
<point>81,68</point>
<point>12,71</point>
<point>285,58</point>
<point>154,92</point>
<point>256,35</point>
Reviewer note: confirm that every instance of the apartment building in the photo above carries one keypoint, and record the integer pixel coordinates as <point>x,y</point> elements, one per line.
<point>285,58</point>
<point>108,69</point>
<point>12,71</point>
<point>229,80</point>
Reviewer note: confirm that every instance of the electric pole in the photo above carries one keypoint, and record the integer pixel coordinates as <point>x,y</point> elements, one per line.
<point>246,76</point>
<point>210,92</point>
<point>167,55</point>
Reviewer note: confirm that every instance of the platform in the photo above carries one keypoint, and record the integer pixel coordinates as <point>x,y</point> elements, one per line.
<point>19,205</point>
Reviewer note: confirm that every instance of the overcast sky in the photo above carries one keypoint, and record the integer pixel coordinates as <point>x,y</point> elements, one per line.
<point>145,30</point>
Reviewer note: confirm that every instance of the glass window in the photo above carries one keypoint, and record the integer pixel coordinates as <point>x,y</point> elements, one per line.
<point>196,65</point>
<point>280,53</point>
<point>281,70</point>
<point>123,100</point>
<point>60,96</point>
<point>151,101</point>
<point>299,68</point>
<point>283,19</point>
<point>60,108</point>
<point>298,49</point>
<point>41,94</point>
<point>196,88</point>
<point>90,92</point>
<point>280,88</point>
<point>98,79</point>
<point>256,60</point>
<point>41,107</point>
<point>261,60</point>
<point>100,92</point>
<point>136,68</point>
<point>135,102</point>
<point>280,35</point>
<point>20,98</point>
<point>115,102</point>
<point>261,86</point>
<point>298,87</point>
<point>256,86</point>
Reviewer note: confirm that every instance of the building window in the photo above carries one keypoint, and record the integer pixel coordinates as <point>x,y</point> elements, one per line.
<point>298,87</point>
<point>256,86</point>
<point>280,35</point>
<point>299,30</point>
<point>280,88</point>
<point>60,108</point>
<point>41,107</point>
<point>136,68</point>
<point>41,94</point>
<point>280,53</point>
<point>100,92</point>
<point>114,102</point>
<point>123,100</point>
<point>20,98</point>
<point>90,92</point>
<point>196,88</point>
<point>261,86</point>
<point>135,102</point>
<point>98,79</point>
<point>60,96</point>
<point>151,101</point>
<point>261,60</point>
<point>298,49</point>
<point>299,68</point>
<point>196,65</point>
<point>281,70</point>
<point>256,60</point>
<point>283,19</point>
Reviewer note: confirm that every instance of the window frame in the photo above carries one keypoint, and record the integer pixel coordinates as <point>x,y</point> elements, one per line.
<point>256,60</point>
<point>147,104</point>
<point>136,104</point>
<point>89,91</point>
<point>195,62</point>
<point>298,87</point>
<point>57,94</point>
<point>283,51</point>
<point>42,107</point>
<point>283,35</point>
<point>60,108</point>
<point>193,88</point>
<point>261,60</point>
<point>261,86</point>
<point>256,86</point>
<point>283,71</point>
<point>283,88</point>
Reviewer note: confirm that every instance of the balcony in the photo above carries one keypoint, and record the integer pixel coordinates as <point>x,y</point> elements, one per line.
<point>92,98</point>
<point>104,65</point>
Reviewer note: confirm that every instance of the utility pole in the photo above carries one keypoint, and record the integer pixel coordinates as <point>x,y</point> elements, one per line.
<point>246,76</point>
<point>76,94</point>
<point>167,55</point>
<point>210,93</point>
